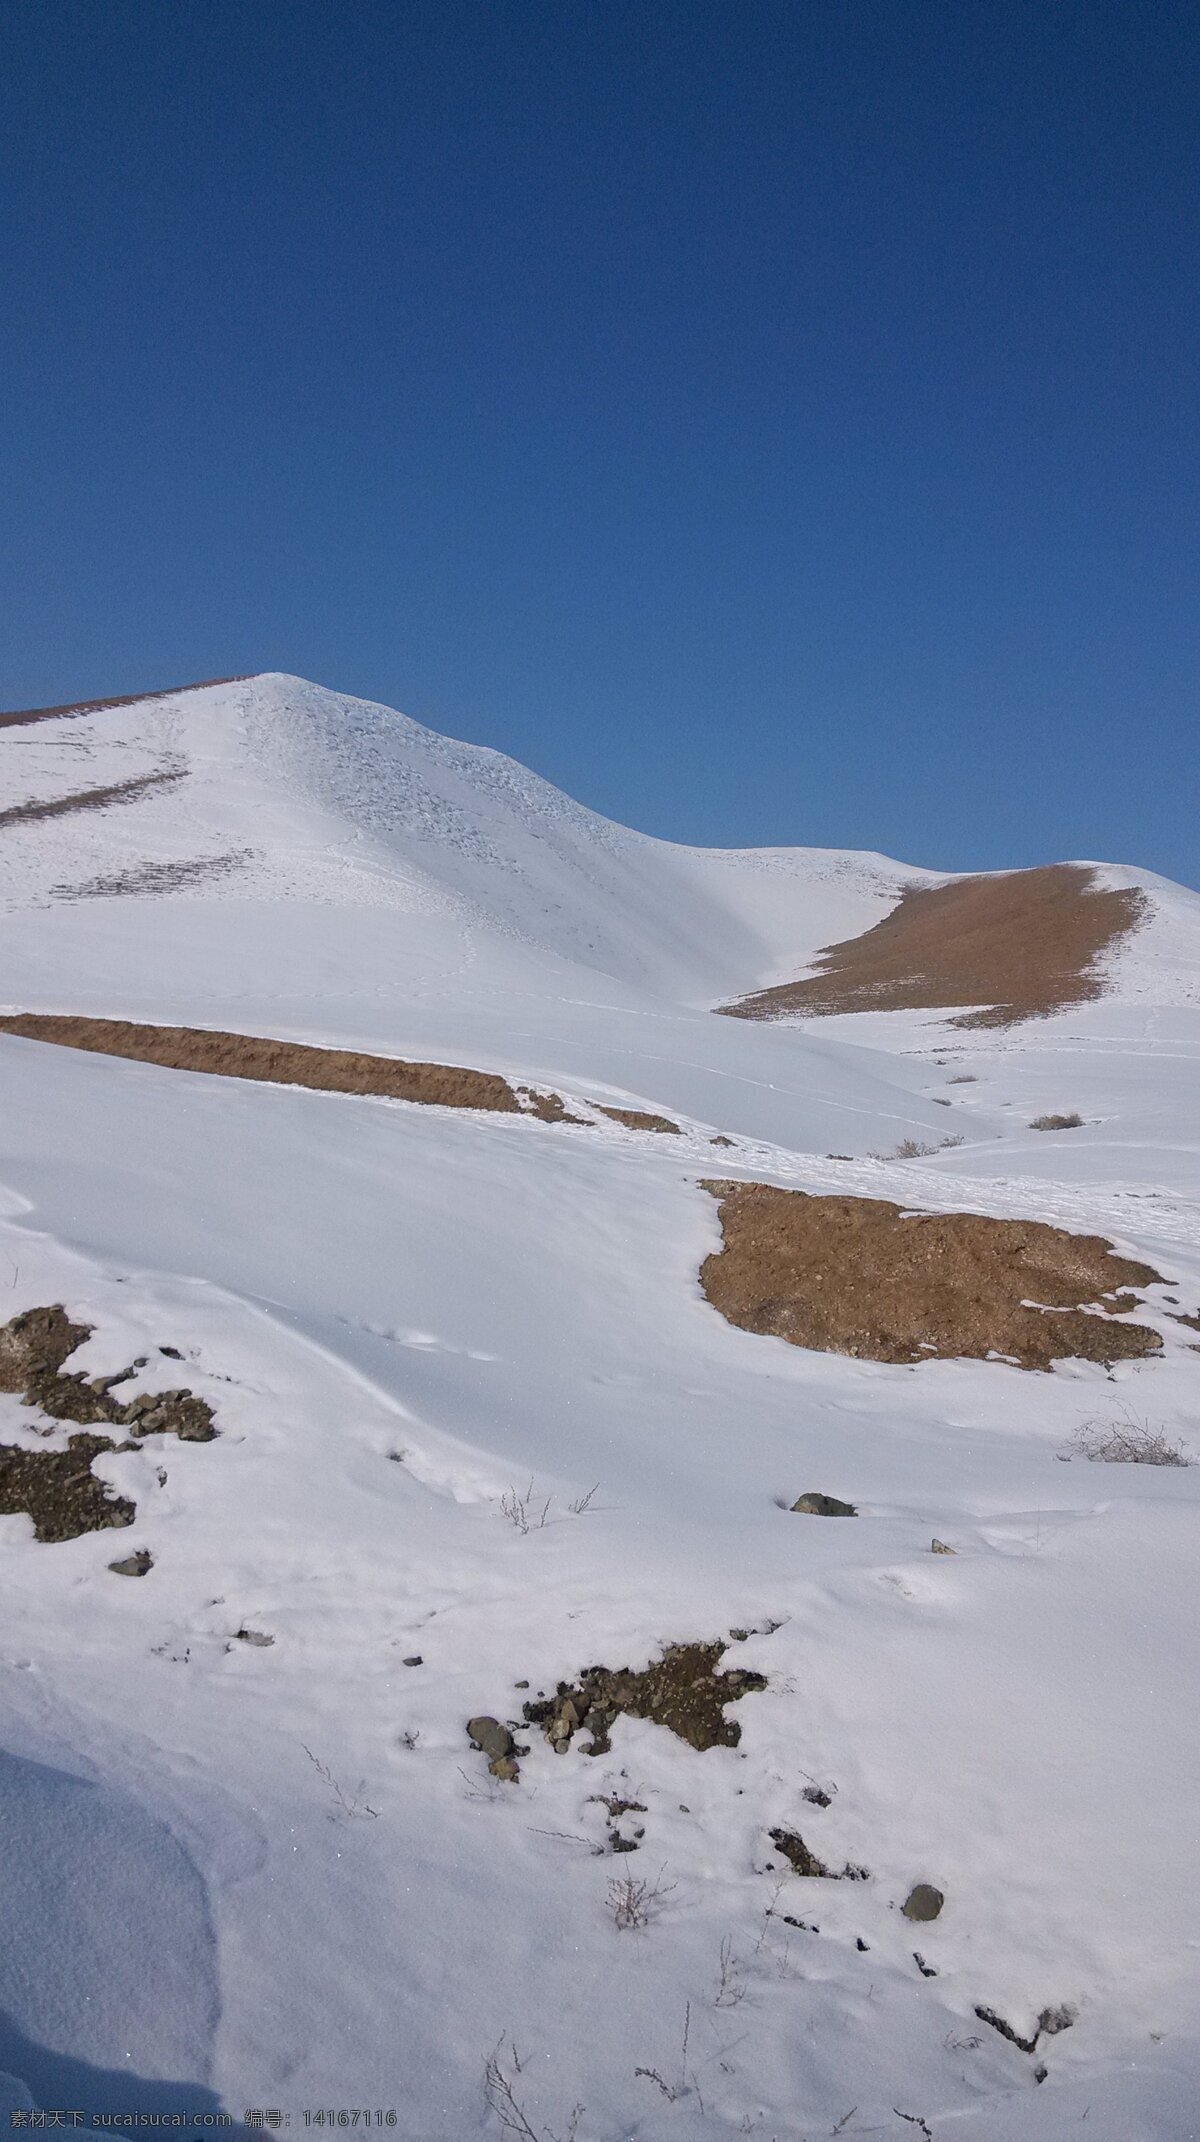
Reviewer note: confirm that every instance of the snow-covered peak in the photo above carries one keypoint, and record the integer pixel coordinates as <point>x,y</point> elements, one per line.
<point>260,793</point>
<point>271,787</point>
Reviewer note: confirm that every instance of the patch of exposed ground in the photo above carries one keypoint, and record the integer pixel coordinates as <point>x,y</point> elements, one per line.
<point>98,706</point>
<point>295,1063</point>
<point>279,1063</point>
<point>551,1108</point>
<point>37,1344</point>
<point>91,799</point>
<point>1020,946</point>
<point>547,1107</point>
<point>802,1861</point>
<point>1050,2022</point>
<point>33,1348</point>
<point>682,1690</point>
<point>158,877</point>
<point>638,1119</point>
<point>57,1488</point>
<point>862,1276</point>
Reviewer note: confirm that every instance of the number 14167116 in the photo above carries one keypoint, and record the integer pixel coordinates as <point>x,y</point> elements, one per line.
<point>347,2116</point>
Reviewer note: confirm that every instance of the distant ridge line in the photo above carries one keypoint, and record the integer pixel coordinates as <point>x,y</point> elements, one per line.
<point>127,699</point>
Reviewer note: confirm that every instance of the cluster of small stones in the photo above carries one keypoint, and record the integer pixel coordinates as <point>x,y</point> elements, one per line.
<point>57,1488</point>
<point>496,1742</point>
<point>569,1711</point>
<point>682,1691</point>
<point>33,1348</point>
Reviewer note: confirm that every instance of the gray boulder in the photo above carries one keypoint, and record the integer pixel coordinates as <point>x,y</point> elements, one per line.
<point>488,1734</point>
<point>923,1902</point>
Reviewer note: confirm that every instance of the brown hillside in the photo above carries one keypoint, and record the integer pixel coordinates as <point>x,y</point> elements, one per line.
<point>1019,945</point>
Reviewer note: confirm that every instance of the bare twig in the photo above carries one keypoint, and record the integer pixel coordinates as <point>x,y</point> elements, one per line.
<point>731,1988</point>
<point>635,1904</point>
<point>570,1837</point>
<point>686,2086</point>
<point>479,1788</point>
<point>769,1912</point>
<point>520,1512</point>
<point>652,2075</point>
<point>502,2099</point>
<point>345,1804</point>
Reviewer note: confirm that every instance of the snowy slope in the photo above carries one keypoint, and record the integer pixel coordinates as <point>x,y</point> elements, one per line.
<point>304,793</point>
<point>239,1875</point>
<point>359,879</point>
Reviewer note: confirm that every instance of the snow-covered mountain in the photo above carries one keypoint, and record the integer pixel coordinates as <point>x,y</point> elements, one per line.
<point>272,789</point>
<point>268,790</point>
<point>252,1860</point>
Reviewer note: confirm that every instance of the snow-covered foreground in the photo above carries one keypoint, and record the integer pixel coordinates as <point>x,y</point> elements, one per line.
<point>256,1876</point>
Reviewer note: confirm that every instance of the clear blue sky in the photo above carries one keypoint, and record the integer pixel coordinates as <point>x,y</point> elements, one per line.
<point>772,422</point>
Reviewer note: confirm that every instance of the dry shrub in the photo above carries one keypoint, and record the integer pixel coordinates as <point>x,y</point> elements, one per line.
<point>1128,1440</point>
<point>635,1904</point>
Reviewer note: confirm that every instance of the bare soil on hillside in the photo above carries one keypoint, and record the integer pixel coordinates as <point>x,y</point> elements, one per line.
<point>90,799</point>
<point>295,1063</point>
<point>862,1276</point>
<point>25,715</point>
<point>1020,946</point>
<point>638,1119</point>
<point>278,1063</point>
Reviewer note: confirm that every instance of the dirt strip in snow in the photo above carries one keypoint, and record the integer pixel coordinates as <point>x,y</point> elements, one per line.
<point>277,1063</point>
<point>294,1063</point>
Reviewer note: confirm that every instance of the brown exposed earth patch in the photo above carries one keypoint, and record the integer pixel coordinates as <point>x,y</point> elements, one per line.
<point>682,1691</point>
<point>98,706</point>
<point>861,1276</point>
<point>90,799</point>
<point>1020,945</point>
<point>294,1063</point>
<point>547,1107</point>
<point>638,1119</point>
<point>280,1063</point>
